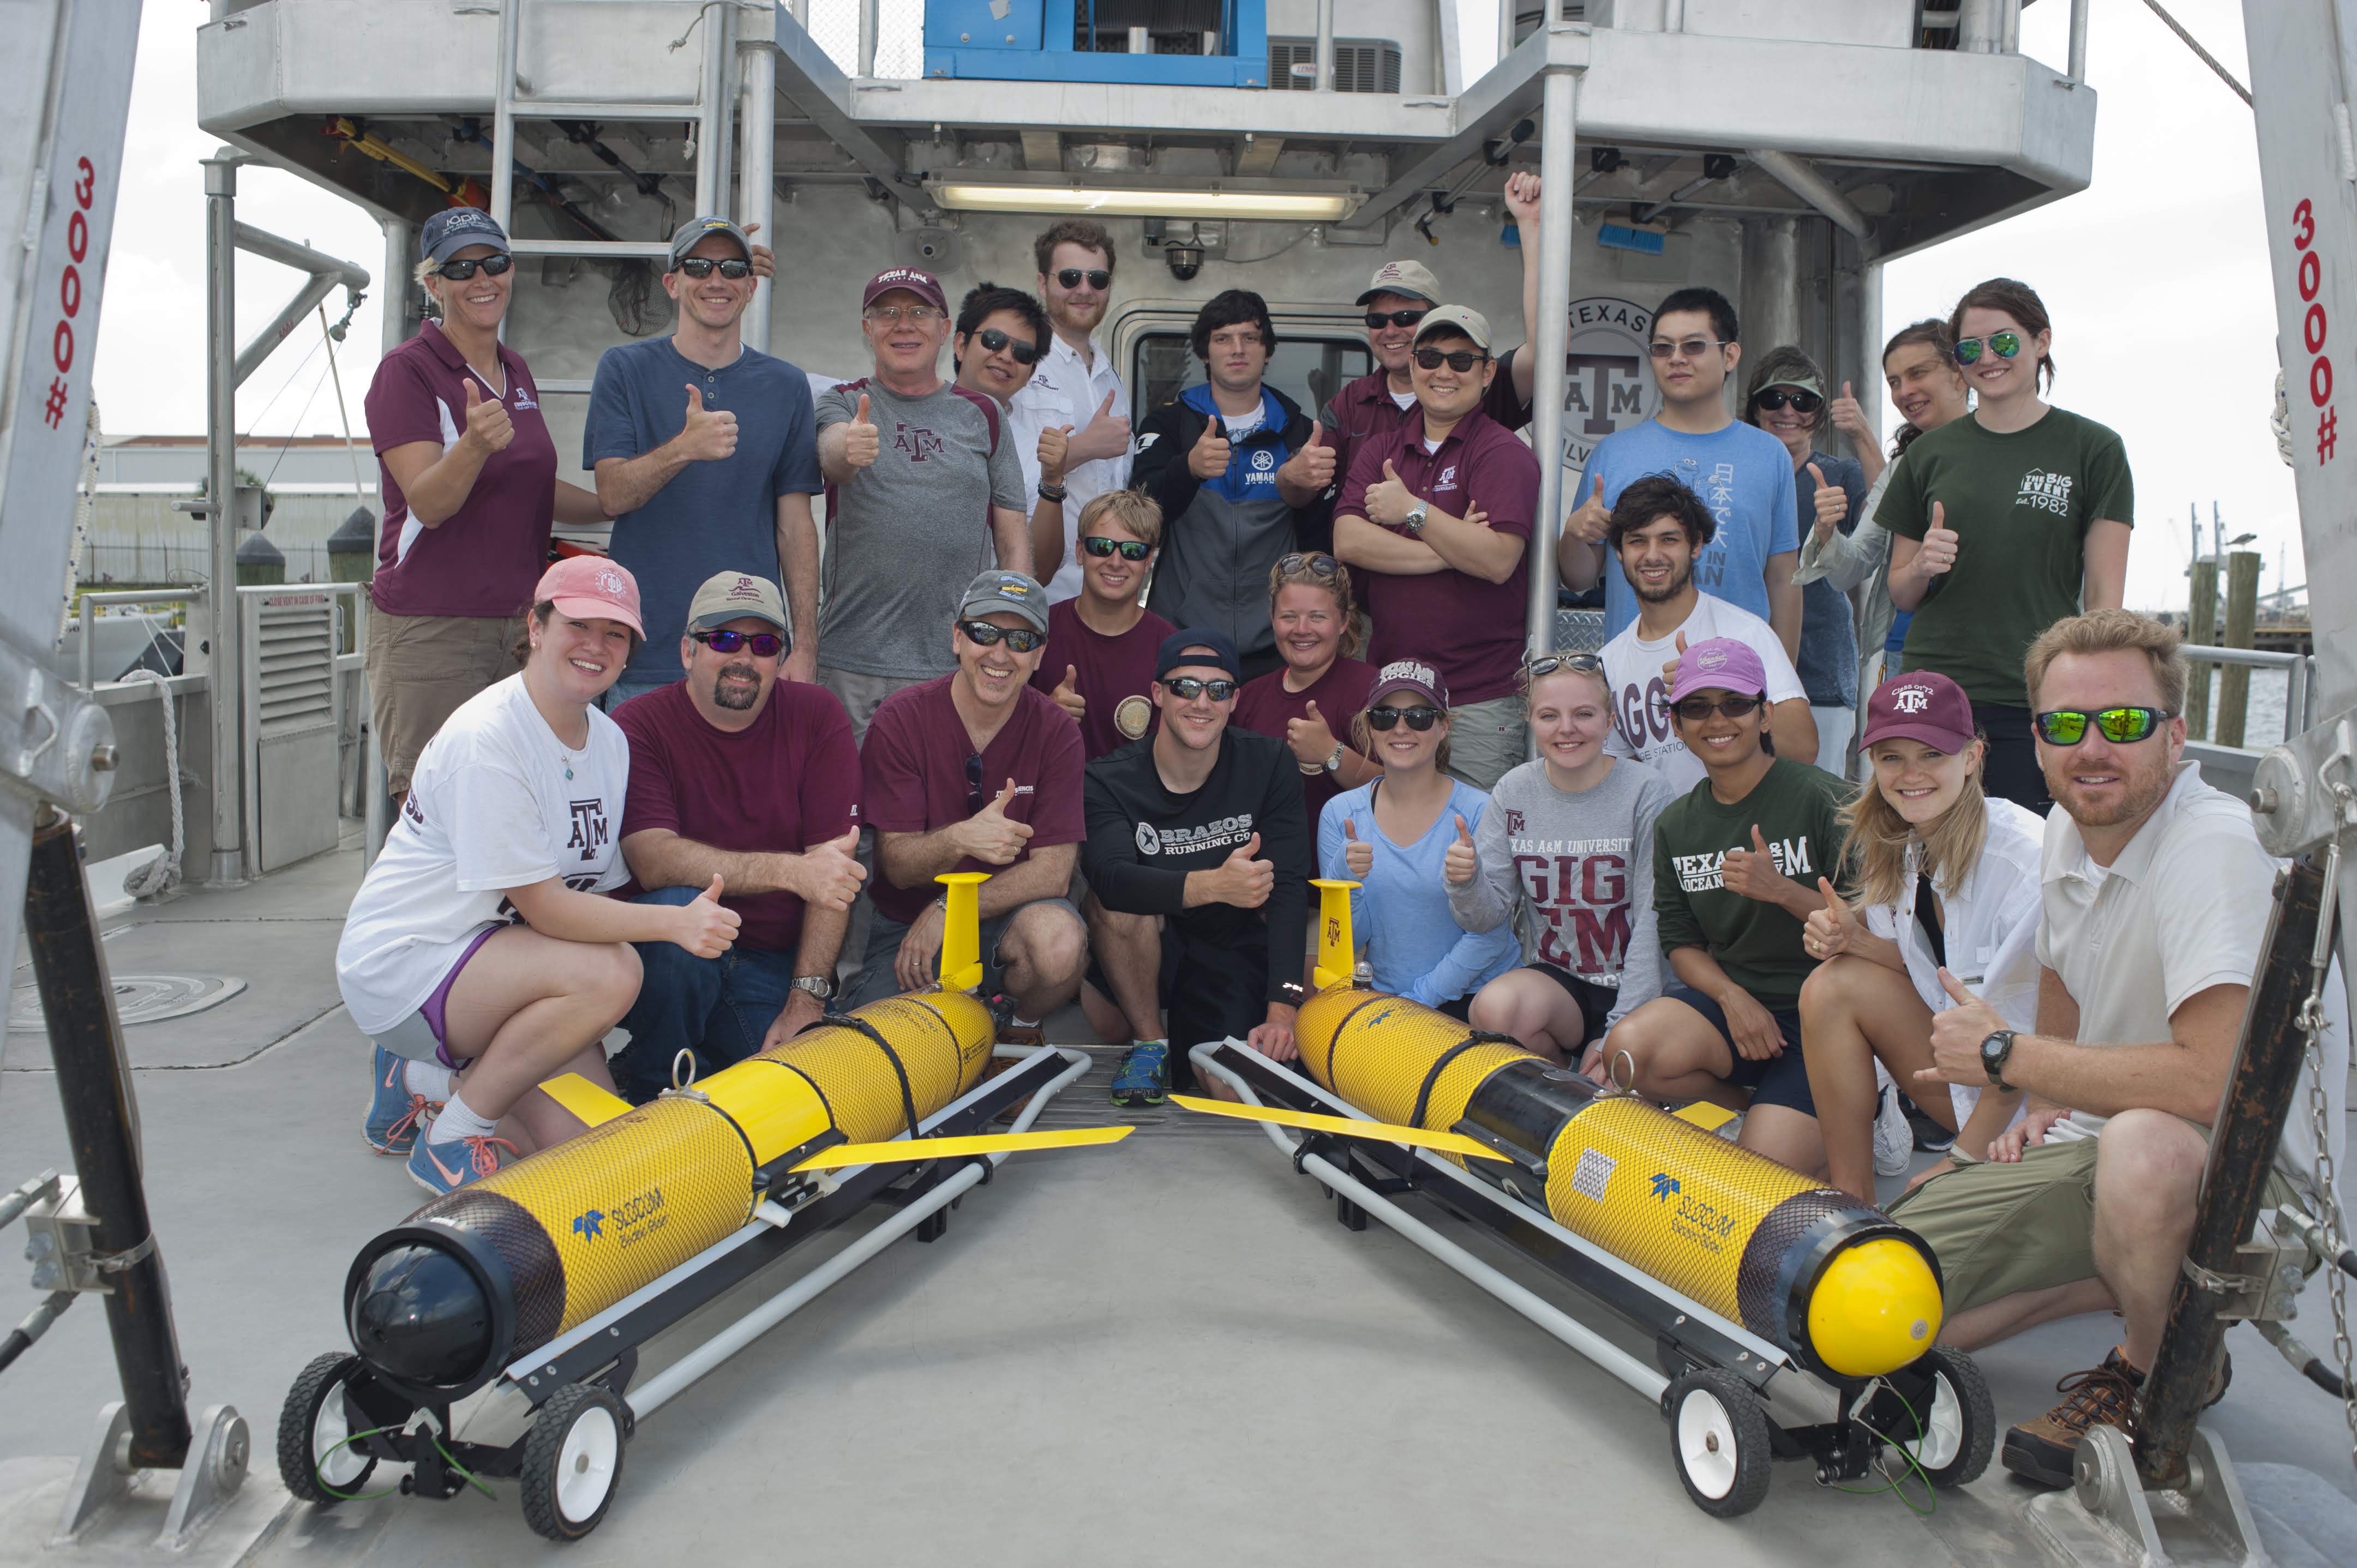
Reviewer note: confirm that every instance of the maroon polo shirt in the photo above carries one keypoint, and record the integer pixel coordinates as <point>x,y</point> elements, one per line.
<point>1364,411</point>
<point>1113,674</point>
<point>1264,707</point>
<point>1469,629</point>
<point>785,782</point>
<point>913,769</point>
<point>485,558</point>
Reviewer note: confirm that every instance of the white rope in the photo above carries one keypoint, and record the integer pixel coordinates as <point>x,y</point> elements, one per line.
<point>152,879</point>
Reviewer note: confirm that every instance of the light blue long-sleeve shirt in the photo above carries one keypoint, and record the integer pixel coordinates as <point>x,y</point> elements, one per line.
<point>1400,910</point>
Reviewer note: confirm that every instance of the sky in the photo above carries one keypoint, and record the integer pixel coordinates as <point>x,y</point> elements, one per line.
<point>2160,266</point>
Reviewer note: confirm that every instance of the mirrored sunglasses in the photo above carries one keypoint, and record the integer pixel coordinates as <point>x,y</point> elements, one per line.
<point>733,268</point>
<point>1187,688</point>
<point>2005,345</point>
<point>1019,638</point>
<point>1098,545</point>
<point>2121,726</point>
<point>764,644</point>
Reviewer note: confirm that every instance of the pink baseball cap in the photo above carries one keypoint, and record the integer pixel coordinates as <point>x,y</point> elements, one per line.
<point>1922,705</point>
<point>591,587</point>
<point>916,280</point>
<point>1719,662</point>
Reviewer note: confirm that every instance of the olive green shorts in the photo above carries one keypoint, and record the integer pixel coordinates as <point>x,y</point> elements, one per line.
<point>421,668</point>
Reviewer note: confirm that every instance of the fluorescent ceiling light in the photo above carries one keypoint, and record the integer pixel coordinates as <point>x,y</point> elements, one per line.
<point>1147,201</point>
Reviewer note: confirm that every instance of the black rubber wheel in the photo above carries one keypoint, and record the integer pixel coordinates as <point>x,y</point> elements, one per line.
<point>1958,1435</point>
<point>312,1426</point>
<point>572,1461</point>
<point>1718,1441</point>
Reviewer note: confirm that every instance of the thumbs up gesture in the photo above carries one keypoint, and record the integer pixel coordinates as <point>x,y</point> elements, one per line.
<point>1387,500</point>
<point>1312,739</point>
<point>1055,452</point>
<point>1752,871</point>
<point>1460,863</point>
<point>1106,435</point>
<point>1956,1036</point>
<point>1938,554</point>
<point>1359,857</point>
<point>1593,520</point>
<point>1829,928</point>
<point>1243,879</point>
<point>1670,665</point>
<point>1068,696</point>
<point>1312,467</point>
<point>703,925</point>
<point>488,425</point>
<point>1832,503</point>
<point>862,445</point>
<point>991,835</point>
<point>710,433</point>
<point>1208,458</point>
<point>1848,416</point>
<point>831,873</point>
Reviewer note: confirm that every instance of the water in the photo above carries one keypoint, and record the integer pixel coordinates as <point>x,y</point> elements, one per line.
<point>2264,725</point>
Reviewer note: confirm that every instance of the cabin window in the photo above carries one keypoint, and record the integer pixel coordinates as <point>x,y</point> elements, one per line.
<point>1310,365</point>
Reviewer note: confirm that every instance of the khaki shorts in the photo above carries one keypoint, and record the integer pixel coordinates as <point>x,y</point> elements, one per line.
<point>861,695</point>
<point>421,668</point>
<point>2028,1225</point>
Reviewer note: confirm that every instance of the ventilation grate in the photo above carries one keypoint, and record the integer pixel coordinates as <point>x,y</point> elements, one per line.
<point>1361,65</point>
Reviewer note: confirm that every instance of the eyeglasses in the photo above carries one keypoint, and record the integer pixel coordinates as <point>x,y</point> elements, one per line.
<point>1019,639</point>
<point>764,644</point>
<point>1379,319</point>
<point>892,315</point>
<point>1692,349</point>
<point>2121,726</point>
<point>992,340</point>
<point>1315,565</point>
<point>1185,688</point>
<point>1547,664</point>
<point>459,269</point>
<point>1097,545</point>
<point>974,796</point>
<point>1461,360</point>
<point>732,269</point>
<point>1697,709</point>
<point>1070,277</point>
<point>2006,345</point>
<point>1777,397</point>
<point>1419,718</point>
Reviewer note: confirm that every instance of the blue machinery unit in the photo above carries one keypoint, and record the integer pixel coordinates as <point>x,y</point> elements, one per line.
<point>1089,40</point>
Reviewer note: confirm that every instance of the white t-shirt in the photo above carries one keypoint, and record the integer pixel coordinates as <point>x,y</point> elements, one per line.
<point>1641,725</point>
<point>496,801</point>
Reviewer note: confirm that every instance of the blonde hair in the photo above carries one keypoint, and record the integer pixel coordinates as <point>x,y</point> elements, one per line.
<point>1876,849</point>
<point>1134,510</point>
<point>421,272</point>
<point>2112,631</point>
<point>1346,606</point>
<point>1362,739</point>
<point>1523,679</point>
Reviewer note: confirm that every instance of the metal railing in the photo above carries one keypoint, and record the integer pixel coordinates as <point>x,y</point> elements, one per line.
<point>2295,666</point>
<point>87,622</point>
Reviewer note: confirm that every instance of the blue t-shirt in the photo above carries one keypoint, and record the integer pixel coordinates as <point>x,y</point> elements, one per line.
<point>1742,474</point>
<point>711,516</point>
<point>1400,910</point>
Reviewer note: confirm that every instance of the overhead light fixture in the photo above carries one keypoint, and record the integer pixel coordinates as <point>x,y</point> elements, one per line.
<point>1240,200</point>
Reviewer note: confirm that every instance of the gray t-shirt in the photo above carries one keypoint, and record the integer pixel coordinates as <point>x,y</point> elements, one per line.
<point>909,532</point>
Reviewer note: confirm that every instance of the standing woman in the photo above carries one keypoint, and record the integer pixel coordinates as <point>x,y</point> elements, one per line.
<point>1948,880</point>
<point>2003,523</point>
<point>480,954</point>
<point>468,475</point>
<point>1393,836</point>
<point>1786,398</point>
<point>1569,838</point>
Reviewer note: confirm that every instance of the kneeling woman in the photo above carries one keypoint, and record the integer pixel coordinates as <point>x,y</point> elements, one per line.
<point>1391,836</point>
<point>480,953</point>
<point>1569,836</point>
<point>1947,878</point>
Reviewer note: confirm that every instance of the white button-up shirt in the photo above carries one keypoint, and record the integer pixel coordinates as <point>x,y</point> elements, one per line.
<point>1063,390</point>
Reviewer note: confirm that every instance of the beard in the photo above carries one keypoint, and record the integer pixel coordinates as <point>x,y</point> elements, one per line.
<point>743,693</point>
<point>1670,590</point>
<point>2143,785</point>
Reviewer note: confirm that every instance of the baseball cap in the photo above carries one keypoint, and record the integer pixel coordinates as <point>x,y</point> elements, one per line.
<point>684,238</point>
<point>1922,705</point>
<point>1806,384</point>
<point>1721,663</point>
<point>455,228</point>
<point>1409,675</point>
<point>592,587</point>
<point>1458,318</point>
<point>731,596</point>
<point>916,280</point>
<point>1404,278</point>
<point>1012,592</point>
<point>1173,654</point>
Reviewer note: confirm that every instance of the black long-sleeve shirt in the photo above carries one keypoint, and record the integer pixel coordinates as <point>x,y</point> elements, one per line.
<point>1144,838</point>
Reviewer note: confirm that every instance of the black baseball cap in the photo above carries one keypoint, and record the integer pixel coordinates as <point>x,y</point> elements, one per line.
<point>1174,652</point>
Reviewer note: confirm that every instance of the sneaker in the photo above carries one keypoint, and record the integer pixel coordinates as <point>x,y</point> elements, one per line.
<point>1929,1136</point>
<point>445,1167</point>
<point>1144,1075</point>
<point>1894,1141</point>
<point>394,1114</point>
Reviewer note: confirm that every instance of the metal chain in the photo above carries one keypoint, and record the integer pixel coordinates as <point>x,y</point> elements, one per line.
<point>2311,1027</point>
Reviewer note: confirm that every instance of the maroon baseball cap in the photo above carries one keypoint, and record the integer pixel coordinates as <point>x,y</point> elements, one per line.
<point>916,280</point>
<point>1409,675</point>
<point>1922,705</point>
<point>1719,663</point>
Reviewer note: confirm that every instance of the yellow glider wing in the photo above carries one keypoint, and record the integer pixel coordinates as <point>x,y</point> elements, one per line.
<point>1343,1126</point>
<point>905,1149</point>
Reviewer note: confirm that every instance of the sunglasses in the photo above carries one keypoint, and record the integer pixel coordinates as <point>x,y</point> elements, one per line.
<point>1801,402</point>
<point>1697,709</point>
<point>459,269</point>
<point>891,314</point>
<point>1187,688</point>
<point>1098,545</point>
<point>1379,319</point>
<point>1019,639</point>
<point>764,644</point>
<point>992,340</point>
<point>1419,718</point>
<point>974,796</point>
<point>1547,664</point>
<point>732,269</point>
<point>1315,565</point>
<point>1070,277</point>
<point>2124,726</point>
<point>2005,345</point>
<point>1461,360</point>
<point>1692,349</point>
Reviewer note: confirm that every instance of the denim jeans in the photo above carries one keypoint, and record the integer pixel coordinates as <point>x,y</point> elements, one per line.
<point>717,1007</point>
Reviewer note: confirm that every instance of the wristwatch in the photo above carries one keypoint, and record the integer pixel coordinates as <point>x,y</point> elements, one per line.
<point>818,985</point>
<point>1334,763</point>
<point>1994,1051</point>
<point>1413,520</point>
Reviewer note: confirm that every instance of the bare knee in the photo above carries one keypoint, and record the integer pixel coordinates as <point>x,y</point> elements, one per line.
<point>2148,1164</point>
<point>611,973</point>
<point>1049,945</point>
<point>1832,986</point>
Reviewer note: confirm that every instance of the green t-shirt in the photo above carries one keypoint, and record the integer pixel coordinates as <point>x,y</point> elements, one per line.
<point>1796,808</point>
<point>2020,504</point>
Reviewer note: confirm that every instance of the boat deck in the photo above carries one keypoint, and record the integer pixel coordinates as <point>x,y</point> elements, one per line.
<point>1166,1352</point>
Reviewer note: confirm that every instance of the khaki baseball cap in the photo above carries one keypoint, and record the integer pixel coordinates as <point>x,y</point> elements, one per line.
<point>1457,318</point>
<point>731,596</point>
<point>1404,278</point>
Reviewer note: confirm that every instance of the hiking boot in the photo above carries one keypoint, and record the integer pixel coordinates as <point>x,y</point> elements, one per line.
<point>2043,1450</point>
<point>1144,1075</point>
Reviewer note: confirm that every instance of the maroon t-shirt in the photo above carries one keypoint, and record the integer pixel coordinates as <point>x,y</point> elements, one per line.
<point>485,558</point>
<point>1113,674</point>
<point>788,781</point>
<point>1468,628</point>
<point>1365,410</point>
<point>913,767</point>
<point>1264,707</point>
